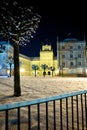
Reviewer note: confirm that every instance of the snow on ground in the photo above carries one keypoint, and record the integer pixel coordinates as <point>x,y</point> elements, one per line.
<point>39,87</point>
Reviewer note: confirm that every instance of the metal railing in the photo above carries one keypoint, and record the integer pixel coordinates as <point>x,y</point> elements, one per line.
<point>63,112</point>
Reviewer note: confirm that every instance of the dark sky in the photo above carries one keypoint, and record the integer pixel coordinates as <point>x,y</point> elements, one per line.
<point>57,19</point>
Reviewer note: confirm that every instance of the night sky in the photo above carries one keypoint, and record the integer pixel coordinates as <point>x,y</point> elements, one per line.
<point>57,19</point>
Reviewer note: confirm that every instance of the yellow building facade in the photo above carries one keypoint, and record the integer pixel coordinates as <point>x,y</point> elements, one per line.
<point>25,65</point>
<point>46,58</point>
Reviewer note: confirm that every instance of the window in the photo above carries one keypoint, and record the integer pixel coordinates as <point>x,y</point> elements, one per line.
<point>71,47</point>
<point>79,55</point>
<point>4,57</point>
<point>71,63</point>
<point>79,63</point>
<point>63,47</point>
<point>71,56</point>
<point>79,47</point>
<point>2,47</point>
<point>63,56</point>
<point>63,64</point>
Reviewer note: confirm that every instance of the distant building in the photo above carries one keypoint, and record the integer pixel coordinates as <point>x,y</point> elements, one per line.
<point>71,56</point>
<point>71,59</point>
<point>25,65</point>
<point>46,58</point>
<point>6,58</point>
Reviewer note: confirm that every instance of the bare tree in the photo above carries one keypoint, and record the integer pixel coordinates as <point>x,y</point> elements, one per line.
<point>9,61</point>
<point>17,23</point>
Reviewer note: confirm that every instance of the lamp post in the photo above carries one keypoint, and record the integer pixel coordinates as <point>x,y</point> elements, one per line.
<point>76,64</point>
<point>61,68</point>
<point>10,61</point>
<point>52,68</point>
<point>44,67</point>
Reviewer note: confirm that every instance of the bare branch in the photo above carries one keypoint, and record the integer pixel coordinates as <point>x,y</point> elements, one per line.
<point>17,22</point>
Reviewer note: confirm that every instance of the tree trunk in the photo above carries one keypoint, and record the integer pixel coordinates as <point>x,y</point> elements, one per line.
<point>17,88</point>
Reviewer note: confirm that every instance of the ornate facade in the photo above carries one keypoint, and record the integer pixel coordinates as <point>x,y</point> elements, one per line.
<point>46,58</point>
<point>71,59</point>
<point>71,54</point>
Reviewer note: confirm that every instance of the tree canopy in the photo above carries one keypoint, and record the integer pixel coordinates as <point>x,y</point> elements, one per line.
<point>17,22</point>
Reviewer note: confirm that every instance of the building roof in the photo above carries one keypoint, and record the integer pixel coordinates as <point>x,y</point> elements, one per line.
<point>35,58</point>
<point>23,56</point>
<point>70,40</point>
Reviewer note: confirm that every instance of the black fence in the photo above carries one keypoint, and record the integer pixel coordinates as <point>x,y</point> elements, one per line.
<point>63,112</point>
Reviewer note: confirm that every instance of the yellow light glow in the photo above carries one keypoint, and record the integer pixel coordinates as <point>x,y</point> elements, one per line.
<point>22,70</point>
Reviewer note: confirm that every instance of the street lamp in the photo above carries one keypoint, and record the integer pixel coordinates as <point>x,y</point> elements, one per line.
<point>10,61</point>
<point>44,67</point>
<point>52,68</point>
<point>76,64</point>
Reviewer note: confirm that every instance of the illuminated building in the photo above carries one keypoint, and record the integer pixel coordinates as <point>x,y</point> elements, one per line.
<point>6,58</point>
<point>71,54</point>
<point>70,60</point>
<point>46,58</point>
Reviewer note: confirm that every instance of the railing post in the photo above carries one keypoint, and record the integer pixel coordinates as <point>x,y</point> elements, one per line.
<point>54,111</point>
<point>46,115</point>
<point>86,111</point>
<point>67,112</point>
<point>18,118</point>
<point>29,118</point>
<point>38,110</point>
<point>6,120</point>
<point>61,124</point>
<point>77,112</point>
<point>82,112</point>
<point>72,113</point>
